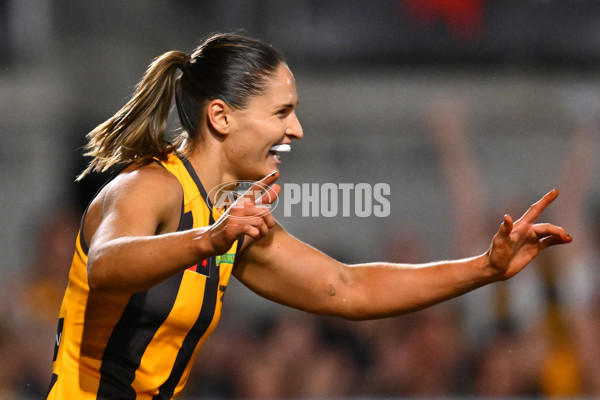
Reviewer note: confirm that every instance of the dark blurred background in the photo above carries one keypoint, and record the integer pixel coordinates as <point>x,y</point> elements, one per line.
<point>468,109</point>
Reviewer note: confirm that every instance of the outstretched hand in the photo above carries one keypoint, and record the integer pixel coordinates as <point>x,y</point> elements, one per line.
<point>249,215</point>
<point>517,243</point>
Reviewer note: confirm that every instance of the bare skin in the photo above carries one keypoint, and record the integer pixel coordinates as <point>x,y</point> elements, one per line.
<point>133,244</point>
<point>288,271</point>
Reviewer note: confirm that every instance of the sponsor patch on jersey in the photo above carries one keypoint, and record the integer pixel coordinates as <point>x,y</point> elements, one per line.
<point>225,258</point>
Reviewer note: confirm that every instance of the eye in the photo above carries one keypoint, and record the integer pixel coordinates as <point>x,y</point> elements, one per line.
<point>284,112</point>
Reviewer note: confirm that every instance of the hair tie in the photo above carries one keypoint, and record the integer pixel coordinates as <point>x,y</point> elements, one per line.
<point>184,65</point>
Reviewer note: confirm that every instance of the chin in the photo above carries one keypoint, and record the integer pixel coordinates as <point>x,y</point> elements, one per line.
<point>257,175</point>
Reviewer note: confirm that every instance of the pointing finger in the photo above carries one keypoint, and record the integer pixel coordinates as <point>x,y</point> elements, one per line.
<point>255,193</point>
<point>265,182</point>
<point>269,179</point>
<point>270,195</point>
<point>536,209</point>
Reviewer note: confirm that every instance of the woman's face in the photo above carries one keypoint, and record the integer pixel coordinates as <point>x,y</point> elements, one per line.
<point>268,120</point>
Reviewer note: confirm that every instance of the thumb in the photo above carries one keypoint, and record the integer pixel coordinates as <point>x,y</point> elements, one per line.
<point>506,226</point>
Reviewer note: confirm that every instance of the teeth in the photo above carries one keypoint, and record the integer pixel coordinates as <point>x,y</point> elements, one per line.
<point>284,148</point>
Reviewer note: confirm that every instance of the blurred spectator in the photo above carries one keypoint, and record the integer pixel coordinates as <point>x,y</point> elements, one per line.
<point>36,298</point>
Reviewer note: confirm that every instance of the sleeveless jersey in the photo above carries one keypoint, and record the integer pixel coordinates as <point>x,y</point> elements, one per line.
<point>140,346</point>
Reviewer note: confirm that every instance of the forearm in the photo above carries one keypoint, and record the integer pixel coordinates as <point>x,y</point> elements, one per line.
<point>318,284</point>
<point>382,290</point>
<point>290,272</point>
<point>136,263</point>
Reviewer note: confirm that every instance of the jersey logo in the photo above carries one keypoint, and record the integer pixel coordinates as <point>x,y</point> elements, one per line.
<point>203,268</point>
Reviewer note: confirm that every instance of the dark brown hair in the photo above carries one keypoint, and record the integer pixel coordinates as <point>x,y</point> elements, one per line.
<point>225,66</point>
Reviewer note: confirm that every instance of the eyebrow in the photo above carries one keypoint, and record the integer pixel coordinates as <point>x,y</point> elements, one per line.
<point>289,105</point>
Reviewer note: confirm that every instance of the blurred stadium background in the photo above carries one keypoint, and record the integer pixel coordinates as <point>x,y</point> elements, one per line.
<point>468,109</point>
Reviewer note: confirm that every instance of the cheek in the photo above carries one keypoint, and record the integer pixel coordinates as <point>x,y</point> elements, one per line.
<point>254,138</point>
<point>244,150</point>
<point>238,152</point>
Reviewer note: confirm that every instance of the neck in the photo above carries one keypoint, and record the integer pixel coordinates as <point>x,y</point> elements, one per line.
<point>210,169</point>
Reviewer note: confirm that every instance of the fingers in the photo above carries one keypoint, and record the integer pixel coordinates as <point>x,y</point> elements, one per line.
<point>260,186</point>
<point>255,194</point>
<point>550,235</point>
<point>257,230</point>
<point>270,195</point>
<point>255,227</point>
<point>269,179</point>
<point>250,214</point>
<point>247,211</point>
<point>501,239</point>
<point>536,209</point>
<point>272,191</point>
<point>545,230</point>
<point>249,219</point>
<point>553,240</point>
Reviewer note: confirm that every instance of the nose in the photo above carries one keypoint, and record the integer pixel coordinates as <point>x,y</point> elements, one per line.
<point>294,128</point>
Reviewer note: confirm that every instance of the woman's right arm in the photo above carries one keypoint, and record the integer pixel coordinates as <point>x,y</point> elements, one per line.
<point>135,246</point>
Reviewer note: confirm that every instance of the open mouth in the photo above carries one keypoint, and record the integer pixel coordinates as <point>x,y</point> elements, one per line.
<point>279,148</point>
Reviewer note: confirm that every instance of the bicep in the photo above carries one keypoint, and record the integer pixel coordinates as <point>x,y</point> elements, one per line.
<point>288,271</point>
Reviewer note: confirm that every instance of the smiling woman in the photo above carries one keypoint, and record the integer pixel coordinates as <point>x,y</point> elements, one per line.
<point>154,255</point>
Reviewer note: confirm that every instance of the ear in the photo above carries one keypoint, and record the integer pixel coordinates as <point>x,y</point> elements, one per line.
<point>219,116</point>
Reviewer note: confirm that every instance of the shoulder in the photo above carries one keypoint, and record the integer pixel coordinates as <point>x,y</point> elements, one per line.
<point>150,181</point>
<point>140,195</point>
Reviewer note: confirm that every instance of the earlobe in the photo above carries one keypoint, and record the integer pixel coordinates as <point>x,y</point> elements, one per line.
<point>218,113</point>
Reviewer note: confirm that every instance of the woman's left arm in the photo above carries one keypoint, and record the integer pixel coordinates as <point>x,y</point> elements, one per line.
<point>288,271</point>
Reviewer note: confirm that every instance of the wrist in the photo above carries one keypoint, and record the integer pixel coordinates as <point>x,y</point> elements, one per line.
<point>489,272</point>
<point>202,245</point>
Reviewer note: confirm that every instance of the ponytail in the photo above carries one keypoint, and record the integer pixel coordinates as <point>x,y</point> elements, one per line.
<point>136,133</point>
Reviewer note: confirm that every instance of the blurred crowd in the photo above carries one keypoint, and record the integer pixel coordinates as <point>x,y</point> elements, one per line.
<point>535,335</point>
